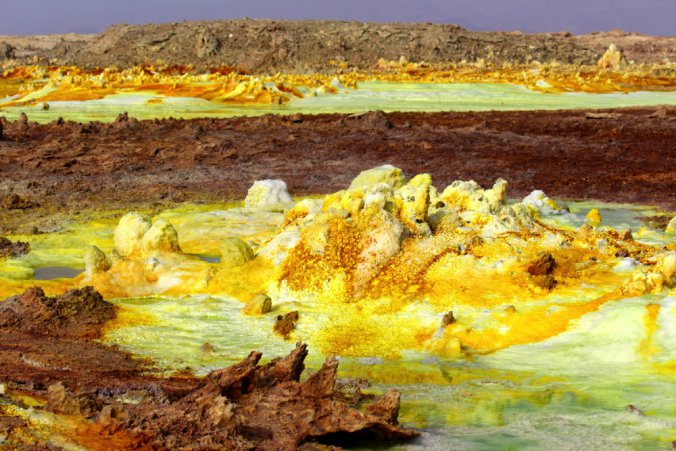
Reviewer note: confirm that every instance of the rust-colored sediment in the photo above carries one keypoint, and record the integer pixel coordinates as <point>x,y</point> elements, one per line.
<point>626,156</point>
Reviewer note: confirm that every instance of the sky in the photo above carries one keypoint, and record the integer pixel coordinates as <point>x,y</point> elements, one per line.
<point>656,17</point>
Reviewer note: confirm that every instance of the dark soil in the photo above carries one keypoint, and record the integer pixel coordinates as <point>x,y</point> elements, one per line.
<point>52,169</point>
<point>45,340</point>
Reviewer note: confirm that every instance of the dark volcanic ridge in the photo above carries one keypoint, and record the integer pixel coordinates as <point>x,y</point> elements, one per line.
<point>302,46</point>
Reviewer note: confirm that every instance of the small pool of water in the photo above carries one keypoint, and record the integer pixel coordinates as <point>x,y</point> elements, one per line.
<point>56,272</point>
<point>209,259</point>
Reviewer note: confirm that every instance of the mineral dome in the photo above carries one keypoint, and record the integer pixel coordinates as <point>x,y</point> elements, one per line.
<point>455,271</point>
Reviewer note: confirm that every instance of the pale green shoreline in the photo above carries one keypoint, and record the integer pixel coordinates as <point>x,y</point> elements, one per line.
<point>386,96</point>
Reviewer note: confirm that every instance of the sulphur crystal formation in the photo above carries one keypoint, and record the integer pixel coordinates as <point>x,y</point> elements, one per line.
<point>390,251</point>
<point>267,194</point>
<point>612,58</point>
<point>129,232</point>
<point>594,217</point>
<point>387,174</point>
<point>671,227</point>
<point>235,252</point>
<point>161,236</point>
<point>374,269</point>
<point>544,204</point>
<point>96,261</point>
<point>260,304</point>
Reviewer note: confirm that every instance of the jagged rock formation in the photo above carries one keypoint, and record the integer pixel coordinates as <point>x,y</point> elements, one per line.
<point>75,314</point>
<point>10,249</point>
<point>247,406</point>
<point>47,352</point>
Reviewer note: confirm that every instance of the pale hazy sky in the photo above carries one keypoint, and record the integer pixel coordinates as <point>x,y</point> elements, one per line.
<point>656,17</point>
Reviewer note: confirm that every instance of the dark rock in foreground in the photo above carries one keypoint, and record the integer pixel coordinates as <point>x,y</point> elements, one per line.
<point>247,406</point>
<point>46,353</point>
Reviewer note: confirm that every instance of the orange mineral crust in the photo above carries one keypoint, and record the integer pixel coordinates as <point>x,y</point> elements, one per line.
<point>34,84</point>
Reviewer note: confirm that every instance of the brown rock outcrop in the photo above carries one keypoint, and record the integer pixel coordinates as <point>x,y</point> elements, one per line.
<point>7,51</point>
<point>285,324</point>
<point>10,249</point>
<point>247,406</point>
<point>541,271</point>
<point>16,202</point>
<point>74,314</point>
<point>372,120</point>
<point>543,265</point>
<point>206,44</point>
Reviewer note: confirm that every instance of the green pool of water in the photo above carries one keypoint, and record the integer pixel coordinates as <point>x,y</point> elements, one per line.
<point>385,96</point>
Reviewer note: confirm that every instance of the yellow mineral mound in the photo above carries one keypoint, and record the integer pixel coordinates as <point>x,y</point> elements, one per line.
<point>387,249</point>
<point>146,259</point>
<point>268,194</point>
<point>235,252</point>
<point>594,217</point>
<point>671,227</point>
<point>376,268</point>
<point>612,59</point>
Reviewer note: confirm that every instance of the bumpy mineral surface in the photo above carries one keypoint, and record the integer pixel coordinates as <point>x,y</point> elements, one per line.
<point>371,256</point>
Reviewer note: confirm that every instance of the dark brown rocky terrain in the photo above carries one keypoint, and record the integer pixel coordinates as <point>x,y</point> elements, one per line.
<point>76,314</point>
<point>47,171</point>
<point>269,46</point>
